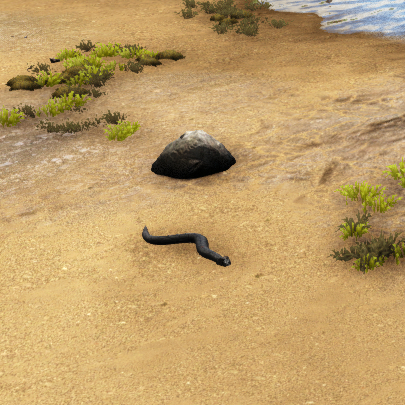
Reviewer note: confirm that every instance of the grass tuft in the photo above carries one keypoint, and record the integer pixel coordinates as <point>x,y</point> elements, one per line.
<point>227,15</point>
<point>370,254</point>
<point>82,70</point>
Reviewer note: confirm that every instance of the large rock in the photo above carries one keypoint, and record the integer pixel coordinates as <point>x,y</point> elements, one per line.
<point>195,154</point>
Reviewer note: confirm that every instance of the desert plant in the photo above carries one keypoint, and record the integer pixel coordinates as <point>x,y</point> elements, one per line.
<point>224,7</point>
<point>128,53</point>
<point>73,127</point>
<point>81,70</point>
<point>226,14</point>
<point>54,107</point>
<point>189,3</point>
<point>217,17</point>
<point>143,53</point>
<point>148,61</point>
<point>88,71</point>
<point>79,61</point>
<point>370,254</point>
<point>48,79</point>
<point>130,47</point>
<point>66,89</point>
<point>248,26</point>
<point>28,110</point>
<point>40,67</point>
<point>68,54</point>
<point>10,120</point>
<point>95,76</point>
<point>223,26</point>
<point>92,76</point>
<point>252,5</point>
<point>92,66</point>
<point>255,5</point>
<point>23,82</point>
<point>106,50</point>
<point>121,131</point>
<point>113,118</point>
<point>68,126</point>
<point>169,54</point>
<point>58,105</point>
<point>207,7</point>
<point>266,4</point>
<point>187,13</point>
<point>85,47</point>
<point>133,67</point>
<point>276,24</point>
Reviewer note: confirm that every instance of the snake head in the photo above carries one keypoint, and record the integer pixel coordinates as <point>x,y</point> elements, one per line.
<point>224,261</point>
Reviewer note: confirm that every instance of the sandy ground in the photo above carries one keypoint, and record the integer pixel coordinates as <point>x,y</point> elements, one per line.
<point>92,314</point>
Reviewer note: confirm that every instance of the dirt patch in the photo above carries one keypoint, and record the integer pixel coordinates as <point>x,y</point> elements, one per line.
<point>93,314</point>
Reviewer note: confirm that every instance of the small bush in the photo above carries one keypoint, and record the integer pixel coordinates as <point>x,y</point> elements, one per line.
<point>248,26</point>
<point>121,131</point>
<point>28,110</point>
<point>275,23</point>
<point>133,67</point>
<point>370,254</point>
<point>73,127</point>
<point>226,14</point>
<point>85,47</point>
<point>188,12</point>
<point>113,118</point>
<point>82,70</point>
<point>252,5</point>
<point>23,82</point>
<point>223,26</point>
<point>207,7</point>
<point>41,67</point>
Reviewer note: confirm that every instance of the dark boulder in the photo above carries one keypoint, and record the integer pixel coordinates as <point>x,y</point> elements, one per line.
<point>195,154</point>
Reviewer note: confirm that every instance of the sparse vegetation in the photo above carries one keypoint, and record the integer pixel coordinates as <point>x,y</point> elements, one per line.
<point>90,70</point>
<point>80,71</point>
<point>227,15</point>
<point>370,254</point>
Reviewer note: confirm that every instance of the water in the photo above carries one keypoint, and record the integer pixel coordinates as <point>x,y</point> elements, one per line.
<point>349,16</point>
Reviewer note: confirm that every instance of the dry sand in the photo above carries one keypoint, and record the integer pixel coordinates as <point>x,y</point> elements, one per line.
<point>92,314</point>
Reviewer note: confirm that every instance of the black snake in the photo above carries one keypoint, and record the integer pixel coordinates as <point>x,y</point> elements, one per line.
<point>200,241</point>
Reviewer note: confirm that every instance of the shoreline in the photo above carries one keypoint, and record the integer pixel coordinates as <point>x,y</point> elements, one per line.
<point>93,314</point>
<point>350,18</point>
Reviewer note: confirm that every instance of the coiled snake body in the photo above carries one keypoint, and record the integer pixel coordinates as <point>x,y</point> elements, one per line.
<point>200,241</point>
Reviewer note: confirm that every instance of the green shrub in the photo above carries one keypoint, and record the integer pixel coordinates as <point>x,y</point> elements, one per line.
<point>82,70</point>
<point>223,26</point>
<point>59,105</point>
<point>188,12</point>
<point>73,127</point>
<point>121,131</point>
<point>226,14</point>
<point>248,26</point>
<point>276,24</point>
<point>370,254</point>
<point>85,47</point>
<point>12,119</point>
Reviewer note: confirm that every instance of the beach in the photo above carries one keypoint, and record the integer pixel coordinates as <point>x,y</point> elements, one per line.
<point>92,314</point>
